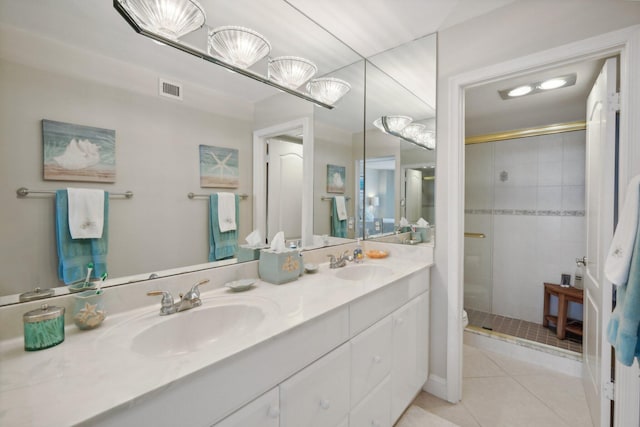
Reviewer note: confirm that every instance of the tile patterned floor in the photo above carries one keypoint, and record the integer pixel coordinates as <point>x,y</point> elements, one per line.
<point>523,329</point>
<point>499,391</point>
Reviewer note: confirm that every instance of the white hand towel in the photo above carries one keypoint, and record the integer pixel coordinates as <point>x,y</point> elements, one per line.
<point>341,208</point>
<point>226,212</point>
<point>616,267</point>
<point>86,213</point>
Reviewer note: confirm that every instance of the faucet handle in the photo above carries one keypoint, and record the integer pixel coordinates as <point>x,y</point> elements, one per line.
<point>194,292</point>
<point>166,305</point>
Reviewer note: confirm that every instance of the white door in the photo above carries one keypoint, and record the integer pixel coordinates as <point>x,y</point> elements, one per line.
<point>599,187</point>
<point>413,195</point>
<point>284,188</point>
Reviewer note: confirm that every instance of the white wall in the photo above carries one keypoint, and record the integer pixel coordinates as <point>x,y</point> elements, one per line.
<point>157,158</point>
<point>518,29</point>
<point>533,220</point>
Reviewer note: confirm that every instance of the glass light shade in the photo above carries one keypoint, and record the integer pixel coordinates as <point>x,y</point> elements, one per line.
<point>392,124</point>
<point>412,130</point>
<point>552,84</point>
<point>170,19</point>
<point>520,91</point>
<point>427,139</point>
<point>238,46</point>
<point>328,89</point>
<point>291,71</point>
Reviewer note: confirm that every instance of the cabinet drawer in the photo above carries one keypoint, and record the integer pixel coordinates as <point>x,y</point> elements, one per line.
<point>262,412</point>
<point>370,359</point>
<point>375,409</point>
<point>318,396</point>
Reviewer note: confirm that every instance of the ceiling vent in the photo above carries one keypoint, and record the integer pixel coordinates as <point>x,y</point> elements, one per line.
<point>169,89</point>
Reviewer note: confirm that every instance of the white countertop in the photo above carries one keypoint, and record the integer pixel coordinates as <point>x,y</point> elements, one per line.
<point>92,372</point>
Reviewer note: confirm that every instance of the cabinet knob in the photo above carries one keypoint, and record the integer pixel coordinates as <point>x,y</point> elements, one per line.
<point>399,320</point>
<point>324,403</point>
<point>377,359</point>
<point>273,412</point>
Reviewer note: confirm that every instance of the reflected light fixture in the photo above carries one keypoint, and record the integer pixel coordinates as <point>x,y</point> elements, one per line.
<point>239,46</point>
<point>328,89</point>
<point>170,19</point>
<point>392,124</point>
<point>427,139</point>
<point>291,71</point>
<point>413,130</point>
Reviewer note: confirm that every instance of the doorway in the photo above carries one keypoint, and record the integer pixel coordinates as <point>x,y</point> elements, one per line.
<point>622,42</point>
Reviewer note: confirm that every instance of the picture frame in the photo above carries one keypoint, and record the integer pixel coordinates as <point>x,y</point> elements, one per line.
<point>219,167</point>
<point>336,176</point>
<point>73,152</point>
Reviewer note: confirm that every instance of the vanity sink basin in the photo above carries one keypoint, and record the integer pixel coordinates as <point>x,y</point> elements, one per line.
<point>363,272</point>
<point>189,331</point>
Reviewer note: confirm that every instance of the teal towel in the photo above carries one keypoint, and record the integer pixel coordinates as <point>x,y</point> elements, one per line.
<point>623,331</point>
<point>221,245</point>
<point>338,228</point>
<point>75,254</point>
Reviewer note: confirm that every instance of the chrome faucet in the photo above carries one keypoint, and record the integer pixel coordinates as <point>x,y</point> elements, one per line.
<point>188,301</point>
<point>340,261</point>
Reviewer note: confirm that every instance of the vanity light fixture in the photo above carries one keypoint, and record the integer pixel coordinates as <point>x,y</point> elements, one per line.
<point>392,125</point>
<point>291,71</point>
<point>413,130</point>
<point>154,19</point>
<point>539,86</point>
<point>328,89</point>
<point>238,46</point>
<point>171,19</point>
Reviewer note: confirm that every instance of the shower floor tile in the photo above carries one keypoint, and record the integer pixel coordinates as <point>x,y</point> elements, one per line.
<point>523,329</point>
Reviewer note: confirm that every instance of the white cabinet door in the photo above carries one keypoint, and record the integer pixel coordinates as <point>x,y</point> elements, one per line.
<point>318,396</point>
<point>374,410</point>
<point>410,353</point>
<point>262,412</point>
<point>370,359</point>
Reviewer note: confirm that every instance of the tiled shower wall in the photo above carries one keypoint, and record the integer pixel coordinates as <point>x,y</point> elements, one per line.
<point>527,196</point>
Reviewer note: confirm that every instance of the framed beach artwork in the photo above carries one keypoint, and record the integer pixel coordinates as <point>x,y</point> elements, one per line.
<point>78,153</point>
<point>219,167</point>
<point>335,179</point>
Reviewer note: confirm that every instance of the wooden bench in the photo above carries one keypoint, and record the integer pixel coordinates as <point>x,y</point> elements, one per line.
<point>565,295</point>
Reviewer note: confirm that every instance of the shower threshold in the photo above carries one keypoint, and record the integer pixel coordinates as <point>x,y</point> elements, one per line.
<point>534,332</point>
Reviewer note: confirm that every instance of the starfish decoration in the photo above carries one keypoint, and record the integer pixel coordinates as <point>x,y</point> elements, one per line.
<point>221,165</point>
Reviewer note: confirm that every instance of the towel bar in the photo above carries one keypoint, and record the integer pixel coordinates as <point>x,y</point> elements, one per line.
<point>193,195</point>
<point>24,192</point>
<point>325,198</point>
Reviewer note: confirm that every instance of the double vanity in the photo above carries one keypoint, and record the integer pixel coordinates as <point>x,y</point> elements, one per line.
<point>340,347</point>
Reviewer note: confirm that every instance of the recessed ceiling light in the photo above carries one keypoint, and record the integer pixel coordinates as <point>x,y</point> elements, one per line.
<point>552,83</point>
<point>519,91</point>
<point>539,86</point>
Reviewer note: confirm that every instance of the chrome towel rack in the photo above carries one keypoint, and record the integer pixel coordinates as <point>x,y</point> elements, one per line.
<point>194,195</point>
<point>325,198</point>
<point>24,192</point>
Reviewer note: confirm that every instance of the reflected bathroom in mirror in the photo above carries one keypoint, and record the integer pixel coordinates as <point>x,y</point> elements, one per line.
<point>399,171</point>
<point>82,63</point>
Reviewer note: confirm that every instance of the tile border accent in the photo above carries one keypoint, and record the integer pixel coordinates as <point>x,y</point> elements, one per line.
<point>525,212</point>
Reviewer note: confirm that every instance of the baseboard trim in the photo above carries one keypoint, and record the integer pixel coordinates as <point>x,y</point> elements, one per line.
<point>437,386</point>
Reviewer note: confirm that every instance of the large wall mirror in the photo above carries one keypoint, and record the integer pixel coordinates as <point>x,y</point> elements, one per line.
<point>399,170</point>
<point>81,63</point>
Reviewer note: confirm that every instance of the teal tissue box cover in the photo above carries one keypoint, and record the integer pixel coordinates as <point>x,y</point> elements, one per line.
<point>278,268</point>
<point>246,253</point>
<point>424,233</point>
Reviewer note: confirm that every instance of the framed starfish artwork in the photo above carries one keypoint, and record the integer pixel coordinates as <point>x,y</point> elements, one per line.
<point>218,167</point>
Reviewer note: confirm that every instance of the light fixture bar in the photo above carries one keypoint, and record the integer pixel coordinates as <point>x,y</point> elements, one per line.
<point>209,58</point>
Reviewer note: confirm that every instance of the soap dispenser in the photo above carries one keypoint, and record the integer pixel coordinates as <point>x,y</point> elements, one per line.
<point>358,256</point>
